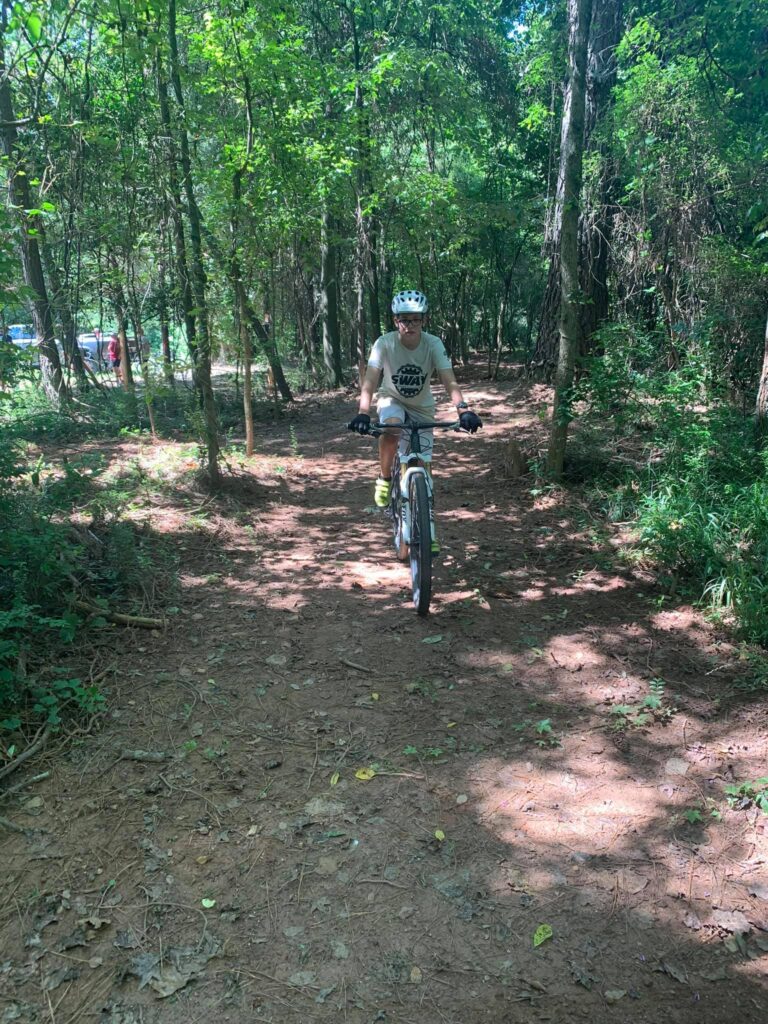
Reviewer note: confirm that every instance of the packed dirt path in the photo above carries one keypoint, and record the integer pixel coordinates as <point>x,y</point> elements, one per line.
<point>306,804</point>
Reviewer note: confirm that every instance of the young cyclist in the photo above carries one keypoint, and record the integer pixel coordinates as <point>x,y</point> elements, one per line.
<point>401,366</point>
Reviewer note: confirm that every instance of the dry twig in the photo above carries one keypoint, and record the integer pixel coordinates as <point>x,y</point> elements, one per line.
<point>41,738</point>
<point>119,617</point>
<point>24,784</point>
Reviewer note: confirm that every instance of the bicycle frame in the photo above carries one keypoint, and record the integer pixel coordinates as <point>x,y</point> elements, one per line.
<point>411,462</point>
<point>412,507</point>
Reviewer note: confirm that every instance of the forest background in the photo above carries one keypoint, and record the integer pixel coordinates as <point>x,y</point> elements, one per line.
<point>579,187</point>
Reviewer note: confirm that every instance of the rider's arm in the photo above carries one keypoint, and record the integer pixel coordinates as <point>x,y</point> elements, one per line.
<point>370,384</point>
<point>449,382</point>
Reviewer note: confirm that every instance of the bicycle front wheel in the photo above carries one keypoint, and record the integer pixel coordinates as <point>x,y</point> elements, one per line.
<point>421,545</point>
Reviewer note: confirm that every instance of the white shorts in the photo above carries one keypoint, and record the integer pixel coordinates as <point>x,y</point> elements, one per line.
<point>389,409</point>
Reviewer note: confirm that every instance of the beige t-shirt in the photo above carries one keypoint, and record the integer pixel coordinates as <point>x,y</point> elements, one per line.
<point>407,372</point>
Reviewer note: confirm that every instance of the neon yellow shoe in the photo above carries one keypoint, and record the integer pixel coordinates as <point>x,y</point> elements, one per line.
<point>381,492</point>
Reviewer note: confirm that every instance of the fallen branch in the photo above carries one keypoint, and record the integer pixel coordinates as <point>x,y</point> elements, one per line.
<point>153,756</point>
<point>119,617</point>
<point>24,784</point>
<point>11,826</point>
<point>380,881</point>
<point>360,668</point>
<point>37,744</point>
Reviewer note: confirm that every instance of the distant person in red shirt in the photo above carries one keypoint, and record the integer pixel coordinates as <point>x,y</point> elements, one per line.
<point>113,351</point>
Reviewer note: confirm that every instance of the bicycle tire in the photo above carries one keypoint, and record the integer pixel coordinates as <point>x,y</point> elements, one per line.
<point>421,545</point>
<point>396,509</point>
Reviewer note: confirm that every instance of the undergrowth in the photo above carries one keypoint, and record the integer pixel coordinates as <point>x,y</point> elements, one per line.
<point>688,473</point>
<point>64,538</point>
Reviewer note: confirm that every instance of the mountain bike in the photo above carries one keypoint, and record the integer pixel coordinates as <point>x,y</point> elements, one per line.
<point>411,508</point>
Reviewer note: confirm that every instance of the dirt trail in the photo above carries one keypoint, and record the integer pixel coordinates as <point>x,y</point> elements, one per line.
<point>252,875</point>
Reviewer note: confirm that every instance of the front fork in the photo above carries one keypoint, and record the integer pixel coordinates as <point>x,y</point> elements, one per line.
<point>405,504</point>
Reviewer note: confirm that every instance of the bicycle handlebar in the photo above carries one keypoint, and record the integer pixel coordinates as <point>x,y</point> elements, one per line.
<point>375,429</point>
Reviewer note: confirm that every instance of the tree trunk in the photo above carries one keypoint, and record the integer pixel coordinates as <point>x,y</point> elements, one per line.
<point>176,211</point>
<point>359,355</point>
<point>245,338</point>
<point>241,307</point>
<point>596,226</point>
<point>571,159</point>
<point>138,333</point>
<point>162,315</point>
<point>328,299</point>
<point>198,274</point>
<point>60,304</point>
<point>50,365</point>
<point>595,230</point>
<point>761,408</point>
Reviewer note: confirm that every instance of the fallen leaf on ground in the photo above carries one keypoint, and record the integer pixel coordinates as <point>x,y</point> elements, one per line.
<point>542,933</point>
<point>582,976</point>
<point>613,995</point>
<point>364,774</point>
<point>319,808</point>
<point>673,971</point>
<point>53,979</point>
<point>676,766</point>
<point>327,866</point>
<point>433,639</point>
<point>730,920</point>
<point>94,921</point>
<point>302,978</point>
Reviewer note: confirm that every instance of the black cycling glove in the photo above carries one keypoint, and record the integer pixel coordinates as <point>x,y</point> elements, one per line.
<point>470,421</point>
<point>361,423</point>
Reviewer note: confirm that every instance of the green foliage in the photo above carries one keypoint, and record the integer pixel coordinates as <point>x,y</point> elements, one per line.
<point>705,812</point>
<point>46,563</point>
<point>652,708</point>
<point>695,482</point>
<point>749,794</point>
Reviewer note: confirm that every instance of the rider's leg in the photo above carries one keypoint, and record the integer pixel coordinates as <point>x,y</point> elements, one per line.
<point>387,447</point>
<point>389,411</point>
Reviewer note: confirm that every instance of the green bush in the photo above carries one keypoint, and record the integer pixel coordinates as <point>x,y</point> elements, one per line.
<point>696,484</point>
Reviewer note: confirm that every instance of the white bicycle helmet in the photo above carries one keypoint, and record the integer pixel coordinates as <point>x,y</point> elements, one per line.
<point>410,302</point>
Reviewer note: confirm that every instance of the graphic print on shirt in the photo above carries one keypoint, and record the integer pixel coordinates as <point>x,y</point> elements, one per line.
<point>409,380</point>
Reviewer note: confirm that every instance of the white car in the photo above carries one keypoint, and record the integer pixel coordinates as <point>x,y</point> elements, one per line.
<point>93,348</point>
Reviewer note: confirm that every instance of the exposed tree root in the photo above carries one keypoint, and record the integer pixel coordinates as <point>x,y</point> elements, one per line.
<point>23,784</point>
<point>37,744</point>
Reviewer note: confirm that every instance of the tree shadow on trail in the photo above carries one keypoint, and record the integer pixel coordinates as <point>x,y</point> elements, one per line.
<point>385,823</point>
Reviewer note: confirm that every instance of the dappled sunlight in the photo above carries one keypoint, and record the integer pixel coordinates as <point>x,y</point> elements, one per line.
<point>340,736</point>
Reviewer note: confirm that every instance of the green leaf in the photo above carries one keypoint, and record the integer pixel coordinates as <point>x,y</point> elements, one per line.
<point>542,933</point>
<point>34,26</point>
<point>433,639</point>
<point>208,904</point>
